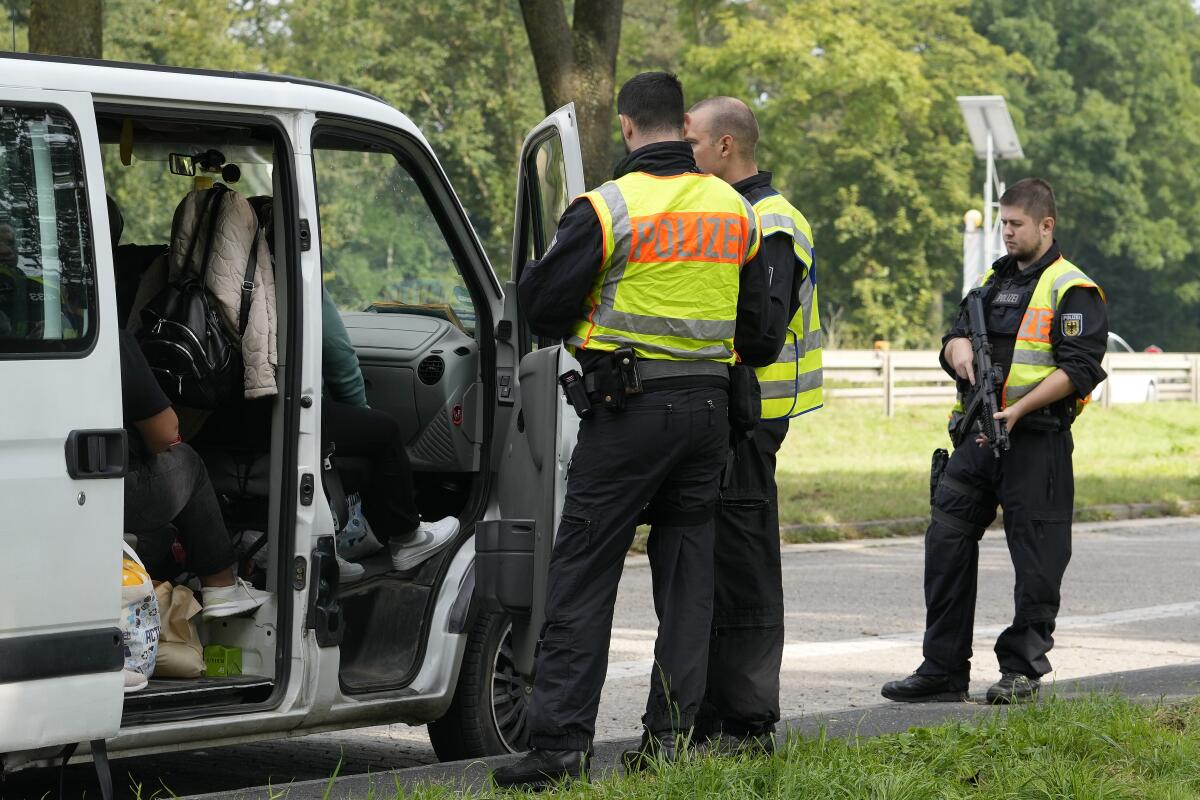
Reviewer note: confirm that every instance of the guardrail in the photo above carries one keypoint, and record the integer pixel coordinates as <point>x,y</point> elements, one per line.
<point>908,377</point>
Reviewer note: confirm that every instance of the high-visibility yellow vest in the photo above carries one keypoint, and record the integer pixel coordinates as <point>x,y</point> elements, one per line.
<point>1033,356</point>
<point>792,385</point>
<point>673,252</point>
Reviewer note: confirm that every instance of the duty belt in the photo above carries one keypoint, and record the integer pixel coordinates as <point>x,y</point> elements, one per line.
<point>659,374</point>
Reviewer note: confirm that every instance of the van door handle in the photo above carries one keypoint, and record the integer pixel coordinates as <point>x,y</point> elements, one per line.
<point>95,454</point>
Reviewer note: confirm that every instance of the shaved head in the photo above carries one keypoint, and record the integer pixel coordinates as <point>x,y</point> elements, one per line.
<point>728,116</point>
<point>723,134</point>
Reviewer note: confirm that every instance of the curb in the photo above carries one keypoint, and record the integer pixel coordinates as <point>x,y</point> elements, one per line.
<point>908,526</point>
<point>1143,686</point>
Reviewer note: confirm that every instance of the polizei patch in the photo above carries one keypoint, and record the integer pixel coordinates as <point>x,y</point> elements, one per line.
<point>1072,324</point>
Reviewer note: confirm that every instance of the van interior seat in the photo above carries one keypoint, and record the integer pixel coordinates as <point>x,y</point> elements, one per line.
<point>130,262</point>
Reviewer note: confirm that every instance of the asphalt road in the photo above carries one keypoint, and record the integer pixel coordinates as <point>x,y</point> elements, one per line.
<point>855,613</point>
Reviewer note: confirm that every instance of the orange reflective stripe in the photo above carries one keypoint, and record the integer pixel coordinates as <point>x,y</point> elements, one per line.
<point>1035,325</point>
<point>704,237</point>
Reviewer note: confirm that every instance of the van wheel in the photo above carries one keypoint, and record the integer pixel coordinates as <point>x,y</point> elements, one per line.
<point>488,716</point>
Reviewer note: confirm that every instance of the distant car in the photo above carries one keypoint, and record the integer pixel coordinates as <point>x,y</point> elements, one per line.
<point>1127,387</point>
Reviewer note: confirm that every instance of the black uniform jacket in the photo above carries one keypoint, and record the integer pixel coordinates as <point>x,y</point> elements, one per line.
<point>784,266</point>
<point>1008,294</point>
<point>553,289</point>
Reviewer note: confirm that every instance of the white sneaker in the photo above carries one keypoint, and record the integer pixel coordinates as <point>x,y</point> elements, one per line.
<point>230,601</point>
<point>134,680</point>
<point>348,571</point>
<point>428,538</point>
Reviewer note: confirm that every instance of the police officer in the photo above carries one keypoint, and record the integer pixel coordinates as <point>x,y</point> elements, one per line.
<point>746,648</point>
<point>1048,329</point>
<point>660,265</point>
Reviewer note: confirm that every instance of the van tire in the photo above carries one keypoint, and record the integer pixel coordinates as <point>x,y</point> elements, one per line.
<point>469,728</point>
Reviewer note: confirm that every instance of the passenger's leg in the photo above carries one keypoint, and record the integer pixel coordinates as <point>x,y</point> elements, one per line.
<point>173,487</point>
<point>389,501</point>
<point>746,647</point>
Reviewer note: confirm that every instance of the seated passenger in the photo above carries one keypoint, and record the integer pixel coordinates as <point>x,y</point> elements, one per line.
<point>389,502</point>
<point>168,484</point>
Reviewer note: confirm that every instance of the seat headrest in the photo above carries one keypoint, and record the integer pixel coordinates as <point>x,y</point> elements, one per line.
<point>116,222</point>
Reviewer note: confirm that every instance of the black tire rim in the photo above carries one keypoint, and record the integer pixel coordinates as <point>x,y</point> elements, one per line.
<point>510,704</point>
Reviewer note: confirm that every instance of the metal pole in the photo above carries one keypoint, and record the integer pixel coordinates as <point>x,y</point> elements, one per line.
<point>986,250</point>
<point>889,379</point>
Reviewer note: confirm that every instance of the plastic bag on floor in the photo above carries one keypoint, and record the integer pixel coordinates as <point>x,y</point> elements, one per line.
<point>140,623</point>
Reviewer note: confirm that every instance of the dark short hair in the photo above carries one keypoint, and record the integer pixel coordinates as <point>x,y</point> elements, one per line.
<point>654,101</point>
<point>732,117</point>
<point>1033,196</point>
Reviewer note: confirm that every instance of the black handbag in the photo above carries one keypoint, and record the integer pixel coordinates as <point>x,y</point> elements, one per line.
<point>190,352</point>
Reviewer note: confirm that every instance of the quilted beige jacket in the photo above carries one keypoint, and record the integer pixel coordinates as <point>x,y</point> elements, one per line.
<point>234,234</point>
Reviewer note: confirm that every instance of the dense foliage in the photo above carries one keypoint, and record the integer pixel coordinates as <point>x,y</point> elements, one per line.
<point>859,122</point>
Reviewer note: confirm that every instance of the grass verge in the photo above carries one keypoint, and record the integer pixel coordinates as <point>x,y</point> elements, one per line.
<point>1097,748</point>
<point>846,465</point>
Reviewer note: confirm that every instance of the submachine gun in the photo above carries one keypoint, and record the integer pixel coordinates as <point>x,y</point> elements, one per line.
<point>989,380</point>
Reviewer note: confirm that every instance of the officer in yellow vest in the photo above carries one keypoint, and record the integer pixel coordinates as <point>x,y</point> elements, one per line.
<point>1048,329</point>
<point>657,271</point>
<point>746,649</point>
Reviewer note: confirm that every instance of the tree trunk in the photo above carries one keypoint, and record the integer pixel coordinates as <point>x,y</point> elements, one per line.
<point>66,28</point>
<point>579,63</point>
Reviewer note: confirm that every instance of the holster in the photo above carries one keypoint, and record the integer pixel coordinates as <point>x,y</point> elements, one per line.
<point>745,401</point>
<point>940,459</point>
<point>604,385</point>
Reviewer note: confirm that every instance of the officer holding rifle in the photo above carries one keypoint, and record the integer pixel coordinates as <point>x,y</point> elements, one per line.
<point>1033,354</point>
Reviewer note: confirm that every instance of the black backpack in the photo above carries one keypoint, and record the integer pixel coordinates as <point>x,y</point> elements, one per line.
<point>192,355</point>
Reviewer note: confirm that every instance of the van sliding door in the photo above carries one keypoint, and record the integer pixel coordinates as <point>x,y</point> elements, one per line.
<point>62,447</point>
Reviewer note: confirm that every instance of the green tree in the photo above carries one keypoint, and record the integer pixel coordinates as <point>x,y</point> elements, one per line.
<point>460,70</point>
<point>577,63</point>
<point>1112,119</point>
<point>856,104</point>
<point>67,27</point>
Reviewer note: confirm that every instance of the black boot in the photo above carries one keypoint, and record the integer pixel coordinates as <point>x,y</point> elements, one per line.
<point>917,688</point>
<point>667,747</point>
<point>541,767</point>
<point>755,743</point>
<point>1013,688</point>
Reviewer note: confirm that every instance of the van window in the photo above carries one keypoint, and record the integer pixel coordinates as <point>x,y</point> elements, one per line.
<point>381,246</point>
<point>546,165</point>
<point>47,282</point>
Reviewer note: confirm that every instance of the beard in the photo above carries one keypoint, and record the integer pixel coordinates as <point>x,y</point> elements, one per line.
<point>1023,252</point>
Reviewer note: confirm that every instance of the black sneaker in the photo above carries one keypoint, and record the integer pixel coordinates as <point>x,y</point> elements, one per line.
<point>1013,687</point>
<point>539,768</point>
<point>918,688</point>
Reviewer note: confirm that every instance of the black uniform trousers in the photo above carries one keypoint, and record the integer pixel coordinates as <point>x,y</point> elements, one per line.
<point>745,652</point>
<point>661,455</point>
<point>1034,484</point>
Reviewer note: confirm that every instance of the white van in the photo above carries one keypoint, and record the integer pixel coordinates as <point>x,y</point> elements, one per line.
<point>443,349</point>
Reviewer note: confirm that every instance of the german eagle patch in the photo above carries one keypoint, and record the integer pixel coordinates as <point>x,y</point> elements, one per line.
<point>1072,324</point>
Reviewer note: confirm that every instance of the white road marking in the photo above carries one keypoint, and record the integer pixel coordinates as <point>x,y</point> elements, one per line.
<point>640,668</point>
